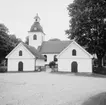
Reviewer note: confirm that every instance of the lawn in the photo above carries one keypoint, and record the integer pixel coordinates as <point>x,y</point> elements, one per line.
<point>43,88</point>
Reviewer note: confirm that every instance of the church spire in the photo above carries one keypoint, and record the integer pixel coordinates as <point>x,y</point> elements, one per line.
<point>36,27</point>
<point>37,18</point>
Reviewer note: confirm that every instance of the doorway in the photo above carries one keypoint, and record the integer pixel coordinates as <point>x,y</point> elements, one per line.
<point>20,66</point>
<point>74,67</point>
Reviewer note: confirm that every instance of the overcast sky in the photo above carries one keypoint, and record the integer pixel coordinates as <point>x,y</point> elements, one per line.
<point>18,16</point>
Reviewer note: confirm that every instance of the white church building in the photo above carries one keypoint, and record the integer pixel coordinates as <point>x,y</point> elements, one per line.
<point>70,56</point>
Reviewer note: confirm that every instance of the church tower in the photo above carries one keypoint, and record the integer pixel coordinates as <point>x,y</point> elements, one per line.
<point>36,34</point>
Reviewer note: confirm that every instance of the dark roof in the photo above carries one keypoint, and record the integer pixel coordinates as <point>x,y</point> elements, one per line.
<point>50,47</point>
<point>37,26</point>
<point>55,39</point>
<point>34,51</point>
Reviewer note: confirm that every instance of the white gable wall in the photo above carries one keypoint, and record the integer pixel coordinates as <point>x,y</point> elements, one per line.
<point>68,53</point>
<point>27,59</point>
<point>82,58</point>
<point>25,53</point>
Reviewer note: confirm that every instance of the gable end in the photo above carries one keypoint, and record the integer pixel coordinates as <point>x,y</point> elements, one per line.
<point>90,56</point>
<point>20,44</point>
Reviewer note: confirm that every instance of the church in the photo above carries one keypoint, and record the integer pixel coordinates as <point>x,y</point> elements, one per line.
<point>69,55</point>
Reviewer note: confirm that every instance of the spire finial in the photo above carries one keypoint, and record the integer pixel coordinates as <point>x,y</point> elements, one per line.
<point>37,18</point>
<point>36,14</point>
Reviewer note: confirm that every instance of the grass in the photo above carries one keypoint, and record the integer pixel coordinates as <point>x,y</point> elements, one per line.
<point>80,74</point>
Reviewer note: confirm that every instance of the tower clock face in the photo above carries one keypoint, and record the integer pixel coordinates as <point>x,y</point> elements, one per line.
<point>35,28</point>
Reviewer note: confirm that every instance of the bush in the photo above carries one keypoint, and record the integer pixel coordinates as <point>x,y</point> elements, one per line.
<point>40,68</point>
<point>3,69</point>
<point>99,70</point>
<point>52,64</point>
<point>43,68</point>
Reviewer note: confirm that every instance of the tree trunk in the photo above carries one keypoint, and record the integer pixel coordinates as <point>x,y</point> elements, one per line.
<point>100,56</point>
<point>99,62</point>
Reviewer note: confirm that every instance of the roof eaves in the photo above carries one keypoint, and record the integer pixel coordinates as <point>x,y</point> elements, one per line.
<point>34,52</point>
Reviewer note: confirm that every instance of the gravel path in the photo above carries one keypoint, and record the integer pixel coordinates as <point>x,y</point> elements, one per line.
<point>47,89</point>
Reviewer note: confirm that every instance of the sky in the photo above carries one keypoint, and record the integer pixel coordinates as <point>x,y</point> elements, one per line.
<point>18,16</point>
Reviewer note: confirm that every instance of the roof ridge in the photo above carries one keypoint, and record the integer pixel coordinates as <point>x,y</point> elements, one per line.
<point>53,46</point>
<point>58,41</point>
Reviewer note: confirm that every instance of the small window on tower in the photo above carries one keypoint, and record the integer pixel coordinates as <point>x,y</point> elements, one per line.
<point>35,37</point>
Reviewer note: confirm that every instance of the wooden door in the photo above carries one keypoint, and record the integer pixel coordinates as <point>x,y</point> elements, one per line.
<point>74,67</point>
<point>20,66</point>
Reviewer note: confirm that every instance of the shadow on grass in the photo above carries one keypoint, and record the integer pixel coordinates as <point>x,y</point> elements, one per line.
<point>99,99</point>
<point>81,74</point>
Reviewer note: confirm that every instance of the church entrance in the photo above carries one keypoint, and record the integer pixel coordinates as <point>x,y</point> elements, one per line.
<point>74,67</point>
<point>20,66</point>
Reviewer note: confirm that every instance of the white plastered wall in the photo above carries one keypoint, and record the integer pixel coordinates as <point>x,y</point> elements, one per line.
<point>50,57</point>
<point>40,62</point>
<point>27,58</point>
<point>79,52</point>
<point>28,64</point>
<point>82,58</point>
<point>38,42</point>
<point>84,65</point>
<point>25,53</point>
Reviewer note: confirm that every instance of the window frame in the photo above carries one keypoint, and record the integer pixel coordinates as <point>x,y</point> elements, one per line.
<point>55,58</point>
<point>34,37</point>
<point>20,53</point>
<point>74,52</point>
<point>45,58</point>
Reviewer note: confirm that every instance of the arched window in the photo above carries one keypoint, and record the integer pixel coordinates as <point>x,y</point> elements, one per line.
<point>74,52</point>
<point>35,37</point>
<point>45,58</point>
<point>20,53</point>
<point>55,59</point>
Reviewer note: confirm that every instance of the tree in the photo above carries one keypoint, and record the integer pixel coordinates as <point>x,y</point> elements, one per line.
<point>3,28</point>
<point>27,40</point>
<point>14,39</point>
<point>7,43</point>
<point>88,25</point>
<point>4,39</point>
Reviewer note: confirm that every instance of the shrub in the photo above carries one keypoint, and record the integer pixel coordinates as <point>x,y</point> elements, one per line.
<point>43,68</point>
<point>3,69</point>
<point>99,70</point>
<point>40,68</point>
<point>52,64</point>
